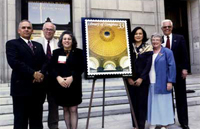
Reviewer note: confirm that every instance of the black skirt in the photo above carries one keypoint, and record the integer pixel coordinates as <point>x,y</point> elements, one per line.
<point>67,97</point>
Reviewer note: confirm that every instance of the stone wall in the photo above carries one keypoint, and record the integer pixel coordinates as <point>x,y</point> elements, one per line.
<point>145,13</point>
<point>194,33</point>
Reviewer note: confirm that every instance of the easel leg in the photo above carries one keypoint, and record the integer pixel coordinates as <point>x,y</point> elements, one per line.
<point>131,105</point>
<point>91,98</point>
<point>104,80</point>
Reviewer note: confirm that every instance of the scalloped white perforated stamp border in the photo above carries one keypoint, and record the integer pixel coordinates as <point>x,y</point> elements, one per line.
<point>124,73</point>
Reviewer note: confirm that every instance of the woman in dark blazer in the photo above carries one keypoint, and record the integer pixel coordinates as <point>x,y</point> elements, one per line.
<point>66,68</point>
<point>138,84</point>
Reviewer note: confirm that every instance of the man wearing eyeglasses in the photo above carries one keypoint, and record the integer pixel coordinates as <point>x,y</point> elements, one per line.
<point>177,44</point>
<point>49,43</point>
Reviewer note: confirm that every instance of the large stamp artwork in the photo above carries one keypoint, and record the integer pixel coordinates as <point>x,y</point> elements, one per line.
<point>106,46</point>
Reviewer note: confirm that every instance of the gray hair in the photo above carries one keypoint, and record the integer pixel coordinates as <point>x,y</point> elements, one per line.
<point>48,23</point>
<point>25,20</point>
<point>166,20</point>
<point>157,35</point>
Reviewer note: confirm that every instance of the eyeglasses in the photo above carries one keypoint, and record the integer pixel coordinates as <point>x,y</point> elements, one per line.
<point>46,29</point>
<point>24,27</point>
<point>165,27</point>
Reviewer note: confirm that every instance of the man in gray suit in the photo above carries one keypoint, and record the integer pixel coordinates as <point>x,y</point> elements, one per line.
<point>49,43</point>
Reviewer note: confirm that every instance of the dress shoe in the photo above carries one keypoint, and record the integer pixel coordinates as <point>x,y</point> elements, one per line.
<point>158,127</point>
<point>185,127</point>
<point>152,127</point>
<point>190,91</point>
<point>164,127</point>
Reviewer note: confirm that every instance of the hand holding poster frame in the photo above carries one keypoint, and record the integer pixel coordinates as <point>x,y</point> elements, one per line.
<point>107,47</point>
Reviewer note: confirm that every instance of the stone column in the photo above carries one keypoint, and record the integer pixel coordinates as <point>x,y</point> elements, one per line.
<point>8,31</point>
<point>194,34</point>
<point>79,8</point>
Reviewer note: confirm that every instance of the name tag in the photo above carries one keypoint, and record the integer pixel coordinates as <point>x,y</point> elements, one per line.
<point>62,59</point>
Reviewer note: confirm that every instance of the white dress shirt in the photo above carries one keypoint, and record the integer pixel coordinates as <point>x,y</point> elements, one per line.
<point>165,41</point>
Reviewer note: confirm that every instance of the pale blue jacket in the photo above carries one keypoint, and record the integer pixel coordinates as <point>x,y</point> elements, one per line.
<point>165,69</point>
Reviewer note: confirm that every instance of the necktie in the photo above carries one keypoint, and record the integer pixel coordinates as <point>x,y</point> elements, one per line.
<point>168,42</point>
<point>30,45</point>
<point>48,50</point>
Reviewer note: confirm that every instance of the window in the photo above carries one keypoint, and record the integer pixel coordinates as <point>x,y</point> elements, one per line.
<point>39,11</point>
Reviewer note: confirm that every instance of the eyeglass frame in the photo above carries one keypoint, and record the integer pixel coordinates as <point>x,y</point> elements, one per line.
<point>165,27</point>
<point>50,30</point>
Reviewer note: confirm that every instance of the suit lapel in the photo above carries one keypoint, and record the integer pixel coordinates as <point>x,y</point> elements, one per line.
<point>62,53</point>
<point>25,45</point>
<point>163,39</point>
<point>55,43</point>
<point>71,55</point>
<point>35,49</point>
<point>174,42</point>
<point>43,44</point>
<point>160,54</point>
<point>69,58</point>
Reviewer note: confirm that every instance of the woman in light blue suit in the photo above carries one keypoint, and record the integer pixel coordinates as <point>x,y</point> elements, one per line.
<point>162,76</point>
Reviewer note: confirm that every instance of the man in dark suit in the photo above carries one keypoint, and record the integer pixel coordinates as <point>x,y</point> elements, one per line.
<point>27,59</point>
<point>177,44</point>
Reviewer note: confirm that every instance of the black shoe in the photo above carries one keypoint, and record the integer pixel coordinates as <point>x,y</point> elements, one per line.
<point>190,91</point>
<point>185,127</point>
<point>158,127</point>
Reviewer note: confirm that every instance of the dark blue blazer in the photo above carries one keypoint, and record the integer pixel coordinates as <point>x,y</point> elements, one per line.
<point>165,69</point>
<point>180,52</point>
<point>24,63</point>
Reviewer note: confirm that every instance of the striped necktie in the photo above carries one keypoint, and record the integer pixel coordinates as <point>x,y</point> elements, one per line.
<point>30,45</point>
<point>48,50</point>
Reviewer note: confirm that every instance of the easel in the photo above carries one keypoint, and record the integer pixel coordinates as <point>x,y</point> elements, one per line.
<point>103,106</point>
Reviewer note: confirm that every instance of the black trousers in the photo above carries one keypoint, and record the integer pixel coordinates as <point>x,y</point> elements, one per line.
<point>181,100</point>
<point>53,114</point>
<point>28,110</point>
<point>139,99</point>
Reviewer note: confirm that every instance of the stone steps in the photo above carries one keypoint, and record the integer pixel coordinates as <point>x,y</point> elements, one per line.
<point>112,107</point>
<point>116,101</point>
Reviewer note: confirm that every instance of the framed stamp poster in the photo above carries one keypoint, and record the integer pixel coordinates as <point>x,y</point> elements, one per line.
<point>106,47</point>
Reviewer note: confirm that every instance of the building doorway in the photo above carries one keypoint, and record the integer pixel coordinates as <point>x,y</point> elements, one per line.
<point>38,12</point>
<point>176,10</point>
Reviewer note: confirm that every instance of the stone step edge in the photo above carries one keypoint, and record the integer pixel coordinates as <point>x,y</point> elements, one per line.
<point>7,93</point>
<point>98,95</point>
<point>98,113</point>
<point>124,101</point>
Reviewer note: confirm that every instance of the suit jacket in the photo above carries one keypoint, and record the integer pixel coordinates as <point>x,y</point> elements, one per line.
<point>24,63</point>
<point>55,46</point>
<point>74,66</point>
<point>165,69</point>
<point>42,41</point>
<point>180,52</point>
<point>141,65</point>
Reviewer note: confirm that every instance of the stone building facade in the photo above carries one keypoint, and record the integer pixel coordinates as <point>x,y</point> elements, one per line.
<point>145,13</point>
